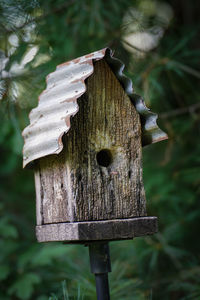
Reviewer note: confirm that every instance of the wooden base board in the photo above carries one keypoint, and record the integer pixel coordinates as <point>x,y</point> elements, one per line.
<point>81,232</point>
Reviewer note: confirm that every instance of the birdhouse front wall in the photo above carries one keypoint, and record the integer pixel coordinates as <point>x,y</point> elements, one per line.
<point>98,174</point>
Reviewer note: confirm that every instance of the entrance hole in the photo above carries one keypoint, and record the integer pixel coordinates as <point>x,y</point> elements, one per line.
<point>104,157</point>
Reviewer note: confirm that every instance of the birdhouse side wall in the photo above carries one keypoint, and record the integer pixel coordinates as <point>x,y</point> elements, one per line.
<point>98,175</point>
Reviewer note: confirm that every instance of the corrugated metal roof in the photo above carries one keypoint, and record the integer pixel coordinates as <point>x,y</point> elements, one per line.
<point>151,133</point>
<point>51,118</point>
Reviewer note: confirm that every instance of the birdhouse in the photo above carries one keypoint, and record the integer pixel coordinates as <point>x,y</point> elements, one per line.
<point>84,143</point>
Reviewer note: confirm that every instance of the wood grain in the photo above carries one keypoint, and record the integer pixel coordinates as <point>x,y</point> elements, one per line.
<point>83,232</point>
<point>72,186</point>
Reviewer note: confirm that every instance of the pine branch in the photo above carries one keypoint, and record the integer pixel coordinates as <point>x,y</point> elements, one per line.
<point>37,19</point>
<point>134,47</point>
<point>180,111</point>
<point>187,69</point>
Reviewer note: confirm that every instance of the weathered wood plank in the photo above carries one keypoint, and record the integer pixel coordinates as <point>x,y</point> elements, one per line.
<point>39,197</point>
<point>54,189</point>
<point>97,230</point>
<point>73,186</point>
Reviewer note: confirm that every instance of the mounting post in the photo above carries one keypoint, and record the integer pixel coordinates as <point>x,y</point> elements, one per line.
<point>100,266</point>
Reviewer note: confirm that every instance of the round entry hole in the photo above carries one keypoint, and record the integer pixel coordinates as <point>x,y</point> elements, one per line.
<point>104,157</point>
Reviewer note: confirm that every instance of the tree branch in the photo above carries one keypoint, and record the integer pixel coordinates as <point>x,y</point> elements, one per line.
<point>35,20</point>
<point>180,111</point>
<point>134,47</point>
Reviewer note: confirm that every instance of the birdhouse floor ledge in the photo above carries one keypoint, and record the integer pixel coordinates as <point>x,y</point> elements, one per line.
<point>81,232</point>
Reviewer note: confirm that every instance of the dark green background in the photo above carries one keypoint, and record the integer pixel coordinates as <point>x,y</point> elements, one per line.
<point>164,266</point>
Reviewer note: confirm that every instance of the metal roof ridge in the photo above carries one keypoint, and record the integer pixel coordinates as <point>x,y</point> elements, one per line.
<point>151,133</point>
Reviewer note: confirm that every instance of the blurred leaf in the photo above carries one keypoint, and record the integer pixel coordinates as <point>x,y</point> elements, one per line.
<point>48,253</point>
<point>6,229</point>
<point>4,272</point>
<point>23,287</point>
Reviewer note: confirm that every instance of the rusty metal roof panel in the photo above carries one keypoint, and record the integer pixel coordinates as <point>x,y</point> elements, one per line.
<point>151,133</point>
<point>51,118</point>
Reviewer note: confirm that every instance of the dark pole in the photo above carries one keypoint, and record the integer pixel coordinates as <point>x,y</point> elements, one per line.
<point>100,266</point>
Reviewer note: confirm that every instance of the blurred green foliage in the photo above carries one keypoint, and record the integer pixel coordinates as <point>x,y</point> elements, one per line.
<point>164,266</point>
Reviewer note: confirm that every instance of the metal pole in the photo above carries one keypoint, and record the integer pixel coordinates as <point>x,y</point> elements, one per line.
<point>100,266</point>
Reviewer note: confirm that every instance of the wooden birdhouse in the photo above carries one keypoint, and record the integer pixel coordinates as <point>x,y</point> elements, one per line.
<point>85,143</point>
